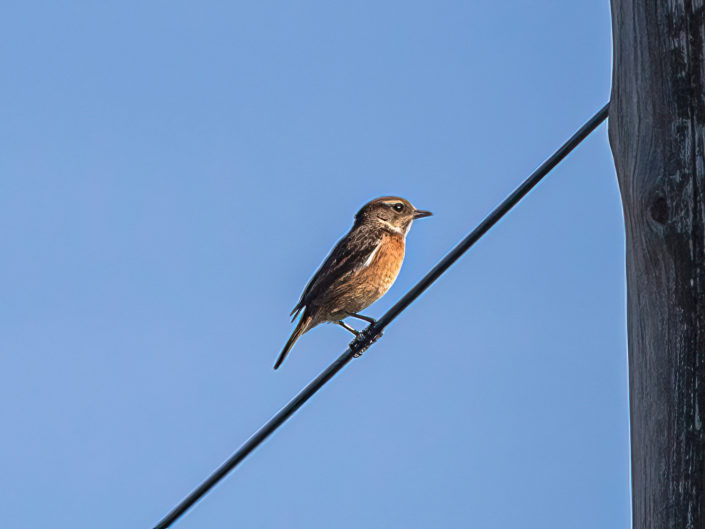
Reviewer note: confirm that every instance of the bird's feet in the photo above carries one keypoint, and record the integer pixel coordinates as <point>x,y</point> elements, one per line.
<point>363,340</point>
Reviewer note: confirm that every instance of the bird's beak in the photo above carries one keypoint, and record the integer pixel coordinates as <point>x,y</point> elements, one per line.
<point>419,214</point>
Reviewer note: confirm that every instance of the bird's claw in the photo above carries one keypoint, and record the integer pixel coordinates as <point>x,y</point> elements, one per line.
<point>363,341</point>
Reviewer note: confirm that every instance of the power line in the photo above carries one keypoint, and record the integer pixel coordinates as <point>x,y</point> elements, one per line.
<point>373,330</point>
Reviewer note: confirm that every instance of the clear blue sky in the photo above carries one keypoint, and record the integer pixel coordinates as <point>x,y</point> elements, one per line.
<point>172,173</point>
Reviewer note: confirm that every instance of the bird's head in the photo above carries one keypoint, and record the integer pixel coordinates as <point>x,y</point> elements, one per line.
<point>391,213</point>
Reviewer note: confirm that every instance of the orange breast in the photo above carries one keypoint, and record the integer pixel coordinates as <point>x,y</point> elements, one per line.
<point>385,266</point>
<point>369,283</point>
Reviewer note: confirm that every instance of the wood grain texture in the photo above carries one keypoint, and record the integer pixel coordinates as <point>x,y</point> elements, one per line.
<point>656,129</point>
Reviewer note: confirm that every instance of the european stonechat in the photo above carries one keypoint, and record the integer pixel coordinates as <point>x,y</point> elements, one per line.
<point>359,270</point>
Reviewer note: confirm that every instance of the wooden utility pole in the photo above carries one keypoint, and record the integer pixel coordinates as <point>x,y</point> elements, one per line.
<point>657,134</point>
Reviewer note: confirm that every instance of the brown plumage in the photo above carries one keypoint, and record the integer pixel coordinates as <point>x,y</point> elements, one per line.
<point>360,268</point>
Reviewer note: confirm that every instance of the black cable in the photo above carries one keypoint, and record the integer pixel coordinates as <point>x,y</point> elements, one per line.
<point>374,329</point>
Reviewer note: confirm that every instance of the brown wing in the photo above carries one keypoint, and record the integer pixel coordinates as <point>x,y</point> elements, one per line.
<point>349,255</point>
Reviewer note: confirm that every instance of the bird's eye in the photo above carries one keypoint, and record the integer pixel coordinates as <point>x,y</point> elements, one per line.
<point>398,206</point>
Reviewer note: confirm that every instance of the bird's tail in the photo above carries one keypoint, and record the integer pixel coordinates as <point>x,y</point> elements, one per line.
<point>301,328</point>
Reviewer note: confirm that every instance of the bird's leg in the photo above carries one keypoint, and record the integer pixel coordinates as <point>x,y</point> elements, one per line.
<point>364,335</point>
<point>361,317</point>
<point>348,328</point>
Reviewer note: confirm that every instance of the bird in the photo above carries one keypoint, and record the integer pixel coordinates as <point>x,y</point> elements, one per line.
<point>359,270</point>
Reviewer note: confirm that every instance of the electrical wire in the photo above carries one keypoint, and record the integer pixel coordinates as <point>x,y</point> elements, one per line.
<point>374,330</point>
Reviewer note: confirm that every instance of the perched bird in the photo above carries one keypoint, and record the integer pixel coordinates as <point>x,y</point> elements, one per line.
<point>359,270</point>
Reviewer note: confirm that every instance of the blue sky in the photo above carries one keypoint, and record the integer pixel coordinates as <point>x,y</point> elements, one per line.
<point>172,173</point>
